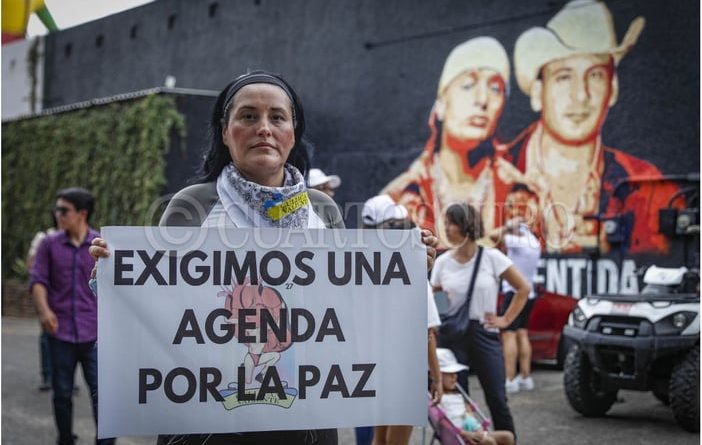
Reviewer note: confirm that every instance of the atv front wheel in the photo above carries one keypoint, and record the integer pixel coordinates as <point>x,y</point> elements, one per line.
<point>685,391</point>
<point>661,390</point>
<point>582,386</point>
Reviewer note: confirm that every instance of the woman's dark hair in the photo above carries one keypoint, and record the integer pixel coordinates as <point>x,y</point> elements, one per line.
<point>79,197</point>
<point>217,154</point>
<point>467,218</point>
<point>521,187</point>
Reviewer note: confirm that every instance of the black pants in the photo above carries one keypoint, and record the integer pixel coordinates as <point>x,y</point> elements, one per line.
<point>481,350</point>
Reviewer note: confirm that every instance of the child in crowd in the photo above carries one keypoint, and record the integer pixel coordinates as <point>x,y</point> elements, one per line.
<point>460,412</point>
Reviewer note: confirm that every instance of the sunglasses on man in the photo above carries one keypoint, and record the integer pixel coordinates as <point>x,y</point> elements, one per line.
<point>61,210</point>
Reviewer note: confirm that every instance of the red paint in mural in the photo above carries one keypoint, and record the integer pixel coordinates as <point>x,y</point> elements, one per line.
<point>568,69</point>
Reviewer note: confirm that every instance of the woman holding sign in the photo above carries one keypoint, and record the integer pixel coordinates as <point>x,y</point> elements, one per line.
<point>470,275</point>
<point>254,176</point>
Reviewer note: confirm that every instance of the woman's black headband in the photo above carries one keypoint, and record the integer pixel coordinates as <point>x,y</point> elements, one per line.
<point>248,79</point>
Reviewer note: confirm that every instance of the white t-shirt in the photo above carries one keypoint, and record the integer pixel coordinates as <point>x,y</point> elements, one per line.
<point>454,407</point>
<point>432,311</point>
<point>454,277</point>
<point>524,250</point>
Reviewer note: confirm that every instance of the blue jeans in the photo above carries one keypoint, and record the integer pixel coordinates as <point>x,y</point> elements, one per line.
<point>45,357</point>
<point>64,359</point>
<point>364,435</point>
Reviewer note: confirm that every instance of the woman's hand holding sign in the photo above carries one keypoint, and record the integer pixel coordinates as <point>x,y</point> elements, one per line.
<point>98,249</point>
<point>431,241</point>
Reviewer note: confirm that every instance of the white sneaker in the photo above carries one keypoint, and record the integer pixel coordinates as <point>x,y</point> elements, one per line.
<point>525,384</point>
<point>512,386</point>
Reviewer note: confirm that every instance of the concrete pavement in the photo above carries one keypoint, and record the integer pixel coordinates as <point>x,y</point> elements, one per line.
<point>542,416</point>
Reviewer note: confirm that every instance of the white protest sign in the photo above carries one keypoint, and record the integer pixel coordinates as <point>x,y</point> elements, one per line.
<point>216,331</point>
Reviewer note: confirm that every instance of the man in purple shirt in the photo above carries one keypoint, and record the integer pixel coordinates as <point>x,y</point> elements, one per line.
<point>66,306</point>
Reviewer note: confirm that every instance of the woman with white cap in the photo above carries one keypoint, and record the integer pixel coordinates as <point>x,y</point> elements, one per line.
<point>457,162</point>
<point>318,180</point>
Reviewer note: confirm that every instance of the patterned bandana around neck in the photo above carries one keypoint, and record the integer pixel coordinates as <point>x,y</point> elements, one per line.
<point>287,206</point>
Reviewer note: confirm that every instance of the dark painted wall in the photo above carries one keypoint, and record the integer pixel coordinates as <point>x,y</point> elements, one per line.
<point>367,70</point>
<point>184,157</point>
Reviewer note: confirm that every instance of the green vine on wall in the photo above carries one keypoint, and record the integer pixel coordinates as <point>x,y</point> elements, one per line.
<point>32,75</point>
<point>117,151</point>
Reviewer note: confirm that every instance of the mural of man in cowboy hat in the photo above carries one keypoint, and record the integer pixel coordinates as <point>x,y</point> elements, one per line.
<point>456,164</point>
<point>569,71</point>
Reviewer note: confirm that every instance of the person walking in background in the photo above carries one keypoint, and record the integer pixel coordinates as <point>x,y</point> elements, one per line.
<point>382,213</point>
<point>524,249</point>
<point>320,181</point>
<point>44,356</point>
<point>66,306</point>
<point>479,347</point>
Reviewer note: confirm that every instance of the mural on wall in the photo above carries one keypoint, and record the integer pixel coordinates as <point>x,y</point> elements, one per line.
<point>568,69</point>
<point>458,160</point>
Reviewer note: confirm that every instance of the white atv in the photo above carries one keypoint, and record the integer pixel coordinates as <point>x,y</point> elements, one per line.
<point>645,342</point>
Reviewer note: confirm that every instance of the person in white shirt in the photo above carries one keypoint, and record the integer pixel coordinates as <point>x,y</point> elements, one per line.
<point>524,249</point>
<point>480,348</point>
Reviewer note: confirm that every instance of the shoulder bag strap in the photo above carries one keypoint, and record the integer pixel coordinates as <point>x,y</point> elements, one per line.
<point>473,277</point>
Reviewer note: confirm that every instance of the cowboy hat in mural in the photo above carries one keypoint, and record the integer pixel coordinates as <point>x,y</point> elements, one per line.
<point>581,27</point>
<point>569,71</point>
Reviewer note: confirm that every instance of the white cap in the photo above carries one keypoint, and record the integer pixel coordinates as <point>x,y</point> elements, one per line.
<point>473,54</point>
<point>317,178</point>
<point>448,362</point>
<point>382,208</point>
